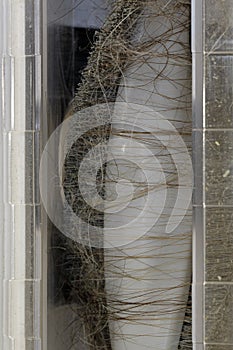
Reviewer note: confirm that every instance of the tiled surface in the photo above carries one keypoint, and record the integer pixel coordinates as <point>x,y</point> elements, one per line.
<point>219,91</point>
<point>218,25</point>
<point>213,159</point>
<point>219,347</point>
<point>219,167</point>
<point>219,244</point>
<point>218,313</point>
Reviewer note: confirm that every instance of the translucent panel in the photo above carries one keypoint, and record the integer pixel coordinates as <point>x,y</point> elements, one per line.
<point>219,91</point>
<point>218,25</point>
<point>219,244</point>
<point>219,173</point>
<point>218,347</point>
<point>141,55</point>
<point>16,140</point>
<point>219,313</point>
<point>213,161</point>
<point>22,72</point>
<point>23,40</point>
<point>33,243</point>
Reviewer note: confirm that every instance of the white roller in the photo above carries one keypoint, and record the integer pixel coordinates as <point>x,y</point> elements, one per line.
<point>147,279</point>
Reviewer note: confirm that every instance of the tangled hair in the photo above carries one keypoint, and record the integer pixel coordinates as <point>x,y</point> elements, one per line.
<point>109,57</point>
<point>117,47</point>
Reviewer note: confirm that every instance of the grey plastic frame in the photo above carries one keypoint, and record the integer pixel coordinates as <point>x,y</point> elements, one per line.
<point>198,193</point>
